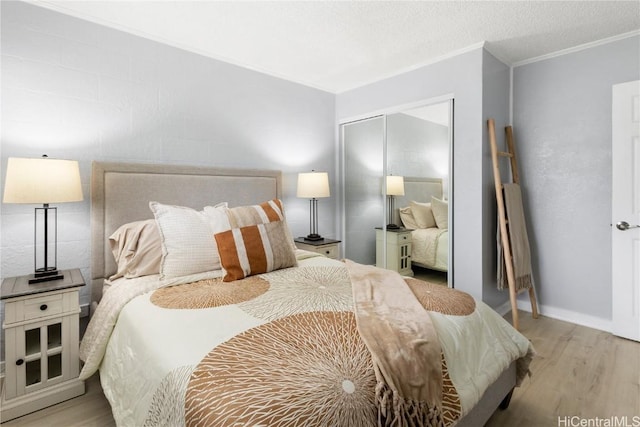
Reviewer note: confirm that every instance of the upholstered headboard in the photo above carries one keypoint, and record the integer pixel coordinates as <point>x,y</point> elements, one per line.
<point>121,192</point>
<point>419,190</point>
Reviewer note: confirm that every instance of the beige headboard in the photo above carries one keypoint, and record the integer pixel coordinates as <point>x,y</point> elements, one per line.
<point>121,192</point>
<point>419,190</point>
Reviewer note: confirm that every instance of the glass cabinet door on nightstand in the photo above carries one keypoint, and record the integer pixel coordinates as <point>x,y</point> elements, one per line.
<point>404,257</point>
<point>398,250</point>
<point>37,355</point>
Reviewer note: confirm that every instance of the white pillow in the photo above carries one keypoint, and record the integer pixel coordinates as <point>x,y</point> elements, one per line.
<point>423,214</point>
<point>407,218</point>
<point>188,245</point>
<point>440,210</point>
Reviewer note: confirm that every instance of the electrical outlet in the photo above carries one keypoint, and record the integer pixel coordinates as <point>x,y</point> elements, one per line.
<point>84,310</point>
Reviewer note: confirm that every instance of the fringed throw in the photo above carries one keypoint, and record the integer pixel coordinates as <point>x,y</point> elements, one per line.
<point>397,411</point>
<point>518,240</point>
<point>404,348</point>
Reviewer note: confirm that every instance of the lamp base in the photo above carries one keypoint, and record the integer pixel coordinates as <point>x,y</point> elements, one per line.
<point>314,237</point>
<point>392,226</point>
<point>42,275</point>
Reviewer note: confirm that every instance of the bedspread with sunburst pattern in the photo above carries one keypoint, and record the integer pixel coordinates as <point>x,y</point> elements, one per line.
<point>280,349</point>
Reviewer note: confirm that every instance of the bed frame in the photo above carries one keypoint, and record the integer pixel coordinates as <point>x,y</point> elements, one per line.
<point>120,193</point>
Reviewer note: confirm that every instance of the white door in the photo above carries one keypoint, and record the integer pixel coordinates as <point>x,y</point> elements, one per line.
<point>625,237</point>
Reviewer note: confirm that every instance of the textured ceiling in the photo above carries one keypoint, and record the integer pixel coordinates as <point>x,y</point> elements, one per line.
<point>339,45</point>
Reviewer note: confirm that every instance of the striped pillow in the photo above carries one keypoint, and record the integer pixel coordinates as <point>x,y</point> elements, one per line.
<point>244,216</point>
<point>254,249</point>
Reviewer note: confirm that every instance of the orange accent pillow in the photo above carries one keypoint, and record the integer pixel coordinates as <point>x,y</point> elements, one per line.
<point>255,249</point>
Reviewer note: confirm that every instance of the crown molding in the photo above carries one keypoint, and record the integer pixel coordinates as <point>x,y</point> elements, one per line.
<point>577,48</point>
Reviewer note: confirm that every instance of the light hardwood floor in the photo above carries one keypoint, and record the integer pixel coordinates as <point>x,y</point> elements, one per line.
<point>578,372</point>
<point>433,276</point>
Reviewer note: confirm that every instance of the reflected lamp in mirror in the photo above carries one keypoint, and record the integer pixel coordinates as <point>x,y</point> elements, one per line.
<point>395,187</point>
<point>313,185</point>
<point>43,181</point>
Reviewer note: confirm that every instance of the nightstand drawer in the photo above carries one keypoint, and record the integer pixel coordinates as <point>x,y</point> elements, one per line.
<point>37,307</point>
<point>399,238</point>
<point>326,247</point>
<point>329,251</point>
<point>47,305</point>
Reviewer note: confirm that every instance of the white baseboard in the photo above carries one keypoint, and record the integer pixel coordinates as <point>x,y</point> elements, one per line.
<point>560,314</point>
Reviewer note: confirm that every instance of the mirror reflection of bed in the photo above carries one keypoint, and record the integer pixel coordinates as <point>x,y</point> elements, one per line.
<point>419,144</point>
<point>424,210</point>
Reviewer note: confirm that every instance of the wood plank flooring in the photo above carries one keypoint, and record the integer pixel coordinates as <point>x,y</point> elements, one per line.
<point>578,372</point>
<point>428,275</point>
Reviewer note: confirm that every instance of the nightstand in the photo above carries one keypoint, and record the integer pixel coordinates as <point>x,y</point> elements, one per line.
<point>398,250</point>
<point>326,247</point>
<point>41,343</point>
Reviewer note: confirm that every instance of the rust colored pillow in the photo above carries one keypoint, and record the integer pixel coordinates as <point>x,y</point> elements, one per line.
<point>255,249</point>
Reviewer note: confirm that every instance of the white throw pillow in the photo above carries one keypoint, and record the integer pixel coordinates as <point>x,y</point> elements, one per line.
<point>423,214</point>
<point>188,245</point>
<point>407,218</point>
<point>440,210</point>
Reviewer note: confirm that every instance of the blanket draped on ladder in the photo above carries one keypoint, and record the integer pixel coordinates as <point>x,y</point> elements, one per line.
<point>518,240</point>
<point>404,347</point>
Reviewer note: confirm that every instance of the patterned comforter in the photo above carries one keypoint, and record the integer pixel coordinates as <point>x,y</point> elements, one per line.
<point>281,348</point>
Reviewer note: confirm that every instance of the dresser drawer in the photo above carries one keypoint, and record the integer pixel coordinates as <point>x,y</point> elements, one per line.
<point>36,307</point>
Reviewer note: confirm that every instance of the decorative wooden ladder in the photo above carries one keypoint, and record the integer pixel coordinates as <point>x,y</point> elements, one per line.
<point>502,216</point>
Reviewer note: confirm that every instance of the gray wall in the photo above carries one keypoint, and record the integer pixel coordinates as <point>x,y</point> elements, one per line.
<point>74,89</point>
<point>461,76</point>
<point>495,105</point>
<point>562,120</point>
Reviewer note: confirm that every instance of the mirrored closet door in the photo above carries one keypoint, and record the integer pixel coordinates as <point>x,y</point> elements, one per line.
<point>363,163</point>
<point>397,172</point>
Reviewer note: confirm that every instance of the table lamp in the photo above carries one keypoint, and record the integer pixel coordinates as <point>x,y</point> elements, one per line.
<point>43,180</point>
<point>395,187</point>
<point>313,185</point>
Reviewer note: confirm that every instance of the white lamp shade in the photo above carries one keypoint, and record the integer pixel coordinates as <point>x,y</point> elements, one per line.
<point>42,180</point>
<point>395,185</point>
<point>313,185</point>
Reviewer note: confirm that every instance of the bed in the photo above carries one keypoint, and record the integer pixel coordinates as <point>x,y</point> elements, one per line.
<point>423,210</point>
<point>296,345</point>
